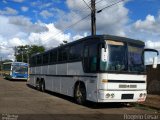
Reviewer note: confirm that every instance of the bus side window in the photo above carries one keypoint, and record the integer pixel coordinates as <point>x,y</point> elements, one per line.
<point>33,61</point>
<point>75,52</point>
<point>93,57</point>
<point>85,59</point>
<point>45,58</point>
<point>90,58</point>
<point>53,56</point>
<point>39,60</point>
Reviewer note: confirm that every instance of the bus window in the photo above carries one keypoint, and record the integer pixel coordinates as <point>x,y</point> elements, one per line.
<point>75,52</point>
<point>60,55</point>
<point>53,56</point>
<point>32,61</point>
<point>39,59</point>
<point>90,58</point>
<point>45,58</point>
<point>65,54</point>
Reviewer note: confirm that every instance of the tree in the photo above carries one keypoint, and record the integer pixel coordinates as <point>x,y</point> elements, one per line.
<point>22,53</point>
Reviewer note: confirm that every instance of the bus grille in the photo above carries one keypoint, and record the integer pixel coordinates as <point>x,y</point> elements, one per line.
<point>127,86</point>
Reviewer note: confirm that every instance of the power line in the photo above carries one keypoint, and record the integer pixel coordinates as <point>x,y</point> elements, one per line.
<point>70,26</point>
<point>87,4</point>
<point>99,1</point>
<point>78,21</point>
<point>109,6</point>
<point>64,29</point>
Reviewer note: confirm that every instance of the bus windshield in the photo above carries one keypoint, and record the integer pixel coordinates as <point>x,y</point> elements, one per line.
<point>135,63</point>
<point>20,69</point>
<point>123,58</point>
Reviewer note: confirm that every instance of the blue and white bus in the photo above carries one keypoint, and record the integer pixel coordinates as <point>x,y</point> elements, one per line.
<point>15,70</point>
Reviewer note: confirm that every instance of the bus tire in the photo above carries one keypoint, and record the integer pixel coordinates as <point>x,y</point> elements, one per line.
<point>80,94</point>
<point>38,84</point>
<point>42,86</point>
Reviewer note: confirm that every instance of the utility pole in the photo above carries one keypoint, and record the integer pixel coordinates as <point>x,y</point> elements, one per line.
<point>15,49</point>
<point>93,17</point>
<point>1,66</point>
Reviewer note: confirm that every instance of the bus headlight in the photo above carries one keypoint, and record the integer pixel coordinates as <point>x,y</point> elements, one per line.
<point>107,95</point>
<point>112,95</point>
<point>141,94</point>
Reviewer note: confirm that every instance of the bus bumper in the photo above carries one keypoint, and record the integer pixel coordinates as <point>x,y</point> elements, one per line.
<point>15,78</point>
<point>122,96</point>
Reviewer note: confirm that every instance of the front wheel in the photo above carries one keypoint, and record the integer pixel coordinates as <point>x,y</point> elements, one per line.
<point>80,94</point>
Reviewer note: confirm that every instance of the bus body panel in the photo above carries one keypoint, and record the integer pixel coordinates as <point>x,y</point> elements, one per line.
<point>59,82</point>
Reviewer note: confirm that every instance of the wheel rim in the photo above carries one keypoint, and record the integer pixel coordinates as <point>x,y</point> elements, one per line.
<point>38,86</point>
<point>80,95</point>
<point>42,87</point>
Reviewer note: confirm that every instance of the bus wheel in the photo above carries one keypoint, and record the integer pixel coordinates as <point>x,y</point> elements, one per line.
<point>42,86</point>
<point>80,94</point>
<point>38,85</point>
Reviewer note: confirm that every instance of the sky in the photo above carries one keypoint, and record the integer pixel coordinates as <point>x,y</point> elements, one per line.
<point>46,22</point>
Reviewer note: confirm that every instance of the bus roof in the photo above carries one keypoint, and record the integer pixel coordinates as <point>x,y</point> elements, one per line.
<point>107,37</point>
<point>15,63</point>
<point>101,38</point>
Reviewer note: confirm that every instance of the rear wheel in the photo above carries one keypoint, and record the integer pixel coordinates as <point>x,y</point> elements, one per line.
<point>80,94</point>
<point>38,85</point>
<point>42,86</point>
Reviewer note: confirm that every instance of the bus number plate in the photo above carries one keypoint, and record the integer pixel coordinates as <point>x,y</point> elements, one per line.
<point>127,96</point>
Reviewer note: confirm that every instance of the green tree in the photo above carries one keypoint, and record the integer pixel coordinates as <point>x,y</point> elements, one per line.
<point>22,53</point>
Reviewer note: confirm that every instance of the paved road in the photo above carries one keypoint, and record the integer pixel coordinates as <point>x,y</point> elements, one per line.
<point>16,98</point>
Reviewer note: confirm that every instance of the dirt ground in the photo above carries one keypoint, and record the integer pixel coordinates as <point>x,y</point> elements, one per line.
<point>20,101</point>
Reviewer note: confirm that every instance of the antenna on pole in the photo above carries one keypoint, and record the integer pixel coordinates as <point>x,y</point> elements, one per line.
<point>93,17</point>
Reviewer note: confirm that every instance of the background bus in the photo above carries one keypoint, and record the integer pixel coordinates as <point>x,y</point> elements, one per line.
<point>99,68</point>
<point>15,70</point>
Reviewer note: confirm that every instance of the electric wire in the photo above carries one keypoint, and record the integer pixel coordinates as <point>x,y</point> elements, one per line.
<point>109,6</point>
<point>87,4</point>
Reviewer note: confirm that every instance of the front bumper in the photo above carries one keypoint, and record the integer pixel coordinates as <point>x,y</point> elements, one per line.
<point>122,96</point>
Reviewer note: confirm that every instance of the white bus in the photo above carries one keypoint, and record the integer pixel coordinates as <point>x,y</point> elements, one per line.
<point>101,68</point>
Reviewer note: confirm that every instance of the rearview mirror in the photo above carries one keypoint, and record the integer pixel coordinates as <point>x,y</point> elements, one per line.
<point>104,54</point>
<point>155,62</point>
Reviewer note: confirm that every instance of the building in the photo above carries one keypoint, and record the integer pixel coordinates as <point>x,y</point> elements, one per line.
<point>153,79</point>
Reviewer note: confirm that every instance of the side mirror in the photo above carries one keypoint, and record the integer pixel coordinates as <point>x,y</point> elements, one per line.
<point>104,54</point>
<point>155,62</point>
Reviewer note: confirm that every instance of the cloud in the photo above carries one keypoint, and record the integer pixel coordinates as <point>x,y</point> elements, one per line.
<point>110,21</point>
<point>41,4</point>
<point>153,44</point>
<point>24,8</point>
<point>46,14</point>
<point>151,24</point>
<point>26,25</point>
<point>52,38</point>
<point>22,31</point>
<point>8,11</point>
